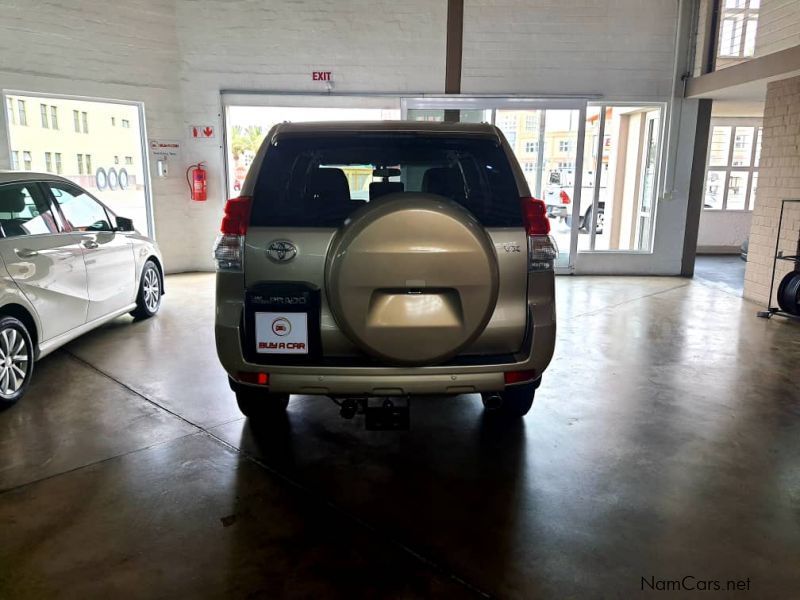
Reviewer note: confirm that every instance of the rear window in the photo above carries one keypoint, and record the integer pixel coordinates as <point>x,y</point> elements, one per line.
<point>318,181</point>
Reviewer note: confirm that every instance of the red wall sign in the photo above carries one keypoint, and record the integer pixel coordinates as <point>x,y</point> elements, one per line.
<point>322,76</point>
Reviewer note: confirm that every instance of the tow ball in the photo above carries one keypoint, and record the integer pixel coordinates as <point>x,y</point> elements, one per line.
<point>380,414</point>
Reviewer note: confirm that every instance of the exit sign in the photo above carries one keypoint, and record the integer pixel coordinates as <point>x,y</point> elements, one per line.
<point>322,75</point>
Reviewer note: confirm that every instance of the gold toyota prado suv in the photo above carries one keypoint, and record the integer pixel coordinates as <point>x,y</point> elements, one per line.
<point>383,260</point>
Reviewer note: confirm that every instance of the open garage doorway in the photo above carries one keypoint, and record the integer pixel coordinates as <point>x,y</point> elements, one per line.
<point>98,144</point>
<point>248,119</point>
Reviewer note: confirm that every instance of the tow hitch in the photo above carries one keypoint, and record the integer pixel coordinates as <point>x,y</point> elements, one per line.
<point>380,414</point>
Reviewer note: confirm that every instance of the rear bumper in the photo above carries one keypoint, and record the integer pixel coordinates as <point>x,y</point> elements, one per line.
<point>392,381</point>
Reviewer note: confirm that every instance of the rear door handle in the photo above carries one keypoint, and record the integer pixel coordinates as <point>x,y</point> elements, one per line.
<point>90,244</point>
<point>26,253</point>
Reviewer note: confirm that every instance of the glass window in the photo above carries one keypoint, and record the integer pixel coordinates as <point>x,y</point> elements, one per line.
<point>753,187</point>
<point>128,160</point>
<point>45,122</point>
<point>80,164</point>
<point>742,147</point>
<point>729,40</point>
<point>532,147</point>
<point>59,170</point>
<point>757,157</point>
<point>48,162</point>
<point>737,31</point>
<point>720,146</point>
<point>113,121</point>
<point>88,164</point>
<point>737,190</point>
<point>76,117</point>
<point>311,180</point>
<point>507,123</point>
<point>80,210</point>
<point>15,160</point>
<point>54,117</point>
<point>564,146</point>
<point>26,158</point>
<point>10,109</point>
<point>23,116</point>
<point>116,160</point>
<point>529,166</point>
<point>85,121</point>
<point>733,155</point>
<point>715,187</point>
<point>23,211</point>
<point>531,122</point>
<point>126,123</point>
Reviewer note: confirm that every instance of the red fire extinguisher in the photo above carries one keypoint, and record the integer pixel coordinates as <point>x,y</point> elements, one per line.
<point>198,184</point>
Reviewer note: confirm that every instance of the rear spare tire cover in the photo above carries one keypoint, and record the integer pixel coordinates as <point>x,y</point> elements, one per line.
<point>412,279</point>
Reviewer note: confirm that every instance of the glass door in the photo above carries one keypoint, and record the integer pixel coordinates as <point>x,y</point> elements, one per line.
<point>620,178</point>
<point>545,136</point>
<point>648,186</point>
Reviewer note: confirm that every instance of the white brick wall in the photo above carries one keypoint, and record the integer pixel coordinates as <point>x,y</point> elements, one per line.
<point>778,26</point>
<point>779,178</point>
<point>622,49</point>
<point>176,56</point>
<point>126,51</point>
<point>369,45</point>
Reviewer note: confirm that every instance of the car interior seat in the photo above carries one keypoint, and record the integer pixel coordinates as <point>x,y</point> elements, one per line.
<point>12,200</point>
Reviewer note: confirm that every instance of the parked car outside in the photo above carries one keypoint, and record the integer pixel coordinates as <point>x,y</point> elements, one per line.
<point>69,264</point>
<point>439,281</point>
<point>558,198</point>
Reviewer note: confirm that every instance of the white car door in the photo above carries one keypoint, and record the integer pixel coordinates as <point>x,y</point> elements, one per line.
<point>110,264</point>
<point>46,263</point>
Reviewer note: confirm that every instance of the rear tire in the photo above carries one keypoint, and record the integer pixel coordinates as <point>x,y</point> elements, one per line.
<point>516,401</point>
<point>148,300</point>
<point>16,360</point>
<point>258,405</point>
<point>599,224</point>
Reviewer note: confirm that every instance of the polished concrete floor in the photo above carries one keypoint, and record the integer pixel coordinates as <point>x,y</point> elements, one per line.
<point>664,443</point>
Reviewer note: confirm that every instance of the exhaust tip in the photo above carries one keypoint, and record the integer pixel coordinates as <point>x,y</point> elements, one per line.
<point>492,401</point>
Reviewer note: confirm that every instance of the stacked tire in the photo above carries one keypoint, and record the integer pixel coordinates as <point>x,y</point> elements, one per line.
<point>789,293</point>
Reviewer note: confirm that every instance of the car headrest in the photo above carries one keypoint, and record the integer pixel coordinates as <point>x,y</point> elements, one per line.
<point>444,181</point>
<point>12,200</point>
<point>381,188</point>
<point>328,185</point>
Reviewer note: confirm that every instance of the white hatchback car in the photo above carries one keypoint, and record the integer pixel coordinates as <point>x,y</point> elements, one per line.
<point>69,264</point>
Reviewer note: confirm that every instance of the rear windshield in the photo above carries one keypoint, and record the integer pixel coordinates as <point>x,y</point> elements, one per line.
<point>318,181</point>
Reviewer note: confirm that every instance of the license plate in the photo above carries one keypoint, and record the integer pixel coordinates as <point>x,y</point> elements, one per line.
<point>281,333</point>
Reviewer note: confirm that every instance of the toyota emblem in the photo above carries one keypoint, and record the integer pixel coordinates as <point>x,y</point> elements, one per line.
<point>281,251</point>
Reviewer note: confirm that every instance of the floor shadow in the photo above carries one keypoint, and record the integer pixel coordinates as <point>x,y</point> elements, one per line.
<point>448,489</point>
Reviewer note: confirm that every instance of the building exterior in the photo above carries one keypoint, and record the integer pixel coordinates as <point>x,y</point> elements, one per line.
<point>96,144</point>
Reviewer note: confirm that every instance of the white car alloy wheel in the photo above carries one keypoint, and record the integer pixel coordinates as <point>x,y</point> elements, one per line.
<point>14,361</point>
<point>152,289</point>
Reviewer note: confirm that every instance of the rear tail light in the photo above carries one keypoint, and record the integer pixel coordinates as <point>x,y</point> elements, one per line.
<point>512,377</point>
<point>564,197</point>
<point>256,378</point>
<point>542,248</point>
<point>534,215</point>
<point>237,216</point>
<point>229,247</point>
